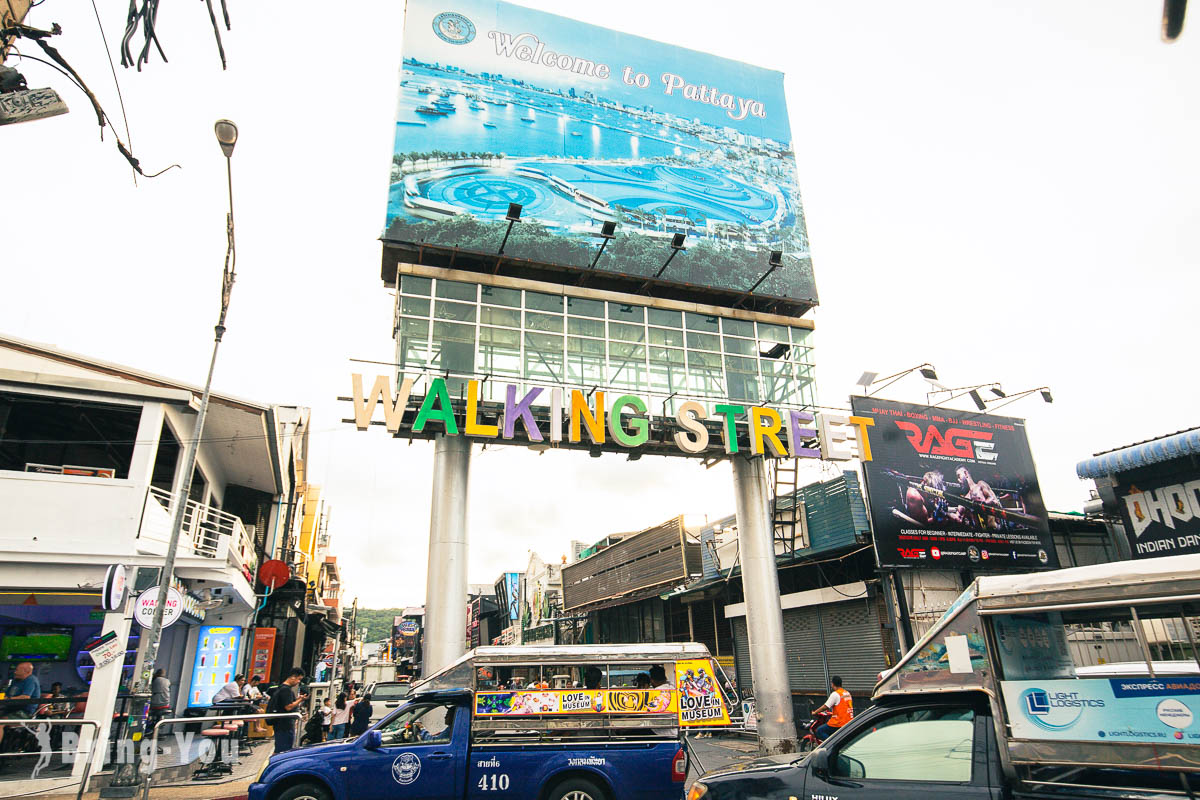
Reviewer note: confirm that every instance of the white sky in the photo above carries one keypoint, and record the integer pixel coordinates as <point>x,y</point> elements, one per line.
<point>1004,188</point>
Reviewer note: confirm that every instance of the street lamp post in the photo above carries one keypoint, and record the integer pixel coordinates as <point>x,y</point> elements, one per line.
<point>227,135</point>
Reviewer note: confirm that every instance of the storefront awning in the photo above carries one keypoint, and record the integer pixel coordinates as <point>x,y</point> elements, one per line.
<point>1154,451</point>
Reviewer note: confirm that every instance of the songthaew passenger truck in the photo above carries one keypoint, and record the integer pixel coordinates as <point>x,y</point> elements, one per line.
<point>1076,683</point>
<point>569,722</point>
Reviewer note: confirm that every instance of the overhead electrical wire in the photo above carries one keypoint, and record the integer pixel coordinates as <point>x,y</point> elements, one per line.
<point>116,83</point>
<point>144,14</point>
<point>39,37</point>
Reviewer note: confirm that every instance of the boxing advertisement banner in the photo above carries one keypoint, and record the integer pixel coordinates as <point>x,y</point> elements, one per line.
<point>1161,515</point>
<point>951,489</point>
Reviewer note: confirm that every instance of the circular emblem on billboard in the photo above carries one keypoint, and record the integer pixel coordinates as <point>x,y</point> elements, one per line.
<point>1174,713</point>
<point>1042,557</point>
<point>1048,713</point>
<point>453,28</point>
<point>406,768</point>
<point>143,610</point>
<point>973,553</point>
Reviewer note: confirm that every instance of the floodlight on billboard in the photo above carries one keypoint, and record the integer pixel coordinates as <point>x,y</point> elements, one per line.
<point>951,490</point>
<point>620,152</point>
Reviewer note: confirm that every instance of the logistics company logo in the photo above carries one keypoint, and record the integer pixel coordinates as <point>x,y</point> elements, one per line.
<point>1055,711</point>
<point>955,442</point>
<point>453,28</point>
<point>406,768</point>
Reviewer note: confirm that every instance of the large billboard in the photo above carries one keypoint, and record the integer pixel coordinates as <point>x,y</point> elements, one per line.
<point>583,126</point>
<point>951,489</point>
<point>1161,514</point>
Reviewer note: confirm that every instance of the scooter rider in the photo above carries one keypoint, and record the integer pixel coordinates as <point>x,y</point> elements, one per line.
<point>840,704</point>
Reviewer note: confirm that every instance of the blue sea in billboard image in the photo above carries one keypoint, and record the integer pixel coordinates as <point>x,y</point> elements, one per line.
<point>576,153</point>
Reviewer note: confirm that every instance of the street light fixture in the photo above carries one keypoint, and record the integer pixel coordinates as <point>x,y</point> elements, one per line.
<point>870,379</point>
<point>226,133</point>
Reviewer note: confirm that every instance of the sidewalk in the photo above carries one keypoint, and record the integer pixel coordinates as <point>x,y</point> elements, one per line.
<point>226,788</point>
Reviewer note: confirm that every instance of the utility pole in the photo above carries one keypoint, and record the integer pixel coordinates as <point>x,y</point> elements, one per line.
<point>126,779</point>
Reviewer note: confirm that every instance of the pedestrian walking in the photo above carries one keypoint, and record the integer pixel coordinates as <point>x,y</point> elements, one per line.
<point>341,717</point>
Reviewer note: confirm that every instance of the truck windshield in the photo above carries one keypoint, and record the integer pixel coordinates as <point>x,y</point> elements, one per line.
<point>427,723</point>
<point>390,691</point>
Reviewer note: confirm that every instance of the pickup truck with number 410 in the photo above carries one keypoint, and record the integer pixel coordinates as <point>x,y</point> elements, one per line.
<point>569,722</point>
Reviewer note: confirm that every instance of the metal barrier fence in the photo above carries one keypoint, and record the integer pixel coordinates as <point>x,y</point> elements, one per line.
<point>47,751</point>
<point>213,720</point>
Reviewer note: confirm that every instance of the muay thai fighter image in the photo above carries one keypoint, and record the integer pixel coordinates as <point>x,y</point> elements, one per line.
<point>930,501</point>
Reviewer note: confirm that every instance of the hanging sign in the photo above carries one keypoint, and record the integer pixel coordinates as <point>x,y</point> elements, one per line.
<point>115,584</point>
<point>105,650</point>
<point>143,610</point>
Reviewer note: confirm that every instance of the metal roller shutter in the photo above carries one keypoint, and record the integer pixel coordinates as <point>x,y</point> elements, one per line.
<point>853,643</point>
<point>741,656</point>
<point>802,649</point>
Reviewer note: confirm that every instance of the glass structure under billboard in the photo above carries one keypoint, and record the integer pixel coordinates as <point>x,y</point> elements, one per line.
<point>952,490</point>
<point>522,336</point>
<point>618,152</point>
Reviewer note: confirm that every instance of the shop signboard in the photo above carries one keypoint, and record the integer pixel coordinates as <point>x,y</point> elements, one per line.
<point>405,631</point>
<point>216,662</point>
<point>263,653</point>
<point>951,489</point>
<point>115,584</point>
<point>1161,514</point>
<point>1141,710</point>
<point>143,610</point>
<point>585,127</point>
<point>511,600</point>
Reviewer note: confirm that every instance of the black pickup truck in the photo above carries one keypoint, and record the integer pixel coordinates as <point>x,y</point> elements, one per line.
<point>944,746</point>
<point>1017,693</point>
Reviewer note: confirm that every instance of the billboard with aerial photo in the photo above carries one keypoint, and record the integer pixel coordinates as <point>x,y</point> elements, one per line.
<point>951,489</point>
<point>582,126</point>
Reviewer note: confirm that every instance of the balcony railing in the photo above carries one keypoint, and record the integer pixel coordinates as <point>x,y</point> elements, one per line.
<point>207,531</point>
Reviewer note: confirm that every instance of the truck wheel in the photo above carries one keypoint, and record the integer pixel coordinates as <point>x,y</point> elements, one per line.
<point>304,791</point>
<point>577,789</point>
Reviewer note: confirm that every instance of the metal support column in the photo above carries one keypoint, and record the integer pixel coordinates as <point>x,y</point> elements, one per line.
<point>446,583</point>
<point>764,615</point>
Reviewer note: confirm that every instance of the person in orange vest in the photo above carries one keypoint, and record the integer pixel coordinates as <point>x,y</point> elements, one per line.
<point>840,704</point>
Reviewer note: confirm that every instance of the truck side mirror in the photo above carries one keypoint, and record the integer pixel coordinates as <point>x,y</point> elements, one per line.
<point>819,762</point>
<point>373,740</point>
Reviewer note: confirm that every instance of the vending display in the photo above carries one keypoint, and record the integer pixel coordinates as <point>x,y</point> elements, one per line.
<point>216,662</point>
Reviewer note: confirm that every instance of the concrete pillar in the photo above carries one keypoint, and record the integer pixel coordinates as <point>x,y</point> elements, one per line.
<point>102,697</point>
<point>446,590</point>
<point>764,615</point>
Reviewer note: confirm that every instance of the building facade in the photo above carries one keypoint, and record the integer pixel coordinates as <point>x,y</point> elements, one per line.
<point>90,460</point>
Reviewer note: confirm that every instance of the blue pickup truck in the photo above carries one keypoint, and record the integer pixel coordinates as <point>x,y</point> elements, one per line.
<point>478,732</point>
